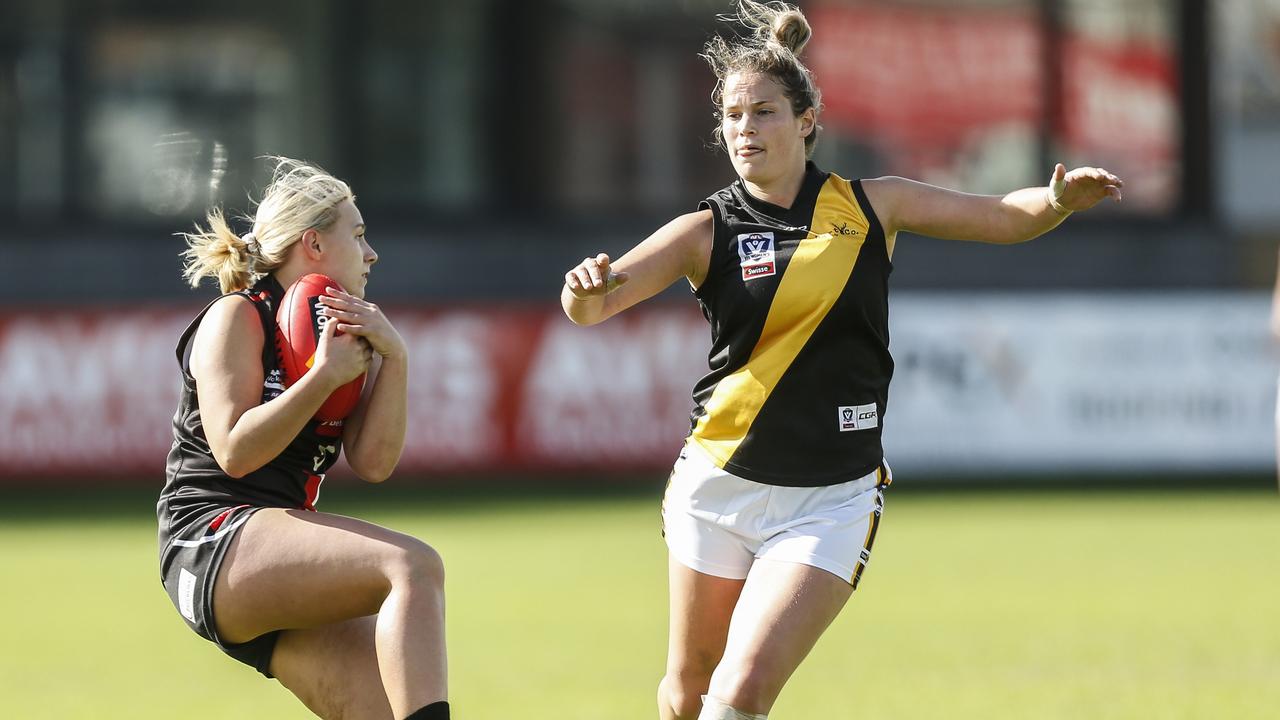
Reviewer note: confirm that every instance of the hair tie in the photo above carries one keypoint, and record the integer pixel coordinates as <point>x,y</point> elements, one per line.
<point>251,244</point>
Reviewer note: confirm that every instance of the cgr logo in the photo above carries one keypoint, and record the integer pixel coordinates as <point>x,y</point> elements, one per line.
<point>756,255</point>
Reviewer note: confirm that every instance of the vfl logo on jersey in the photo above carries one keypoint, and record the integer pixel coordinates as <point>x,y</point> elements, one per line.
<point>858,417</point>
<point>756,253</point>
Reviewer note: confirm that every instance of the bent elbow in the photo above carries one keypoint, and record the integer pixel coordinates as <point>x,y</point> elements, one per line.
<point>373,473</point>
<point>233,468</point>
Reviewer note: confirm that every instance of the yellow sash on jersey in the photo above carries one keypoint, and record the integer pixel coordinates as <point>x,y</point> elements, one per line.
<point>814,279</point>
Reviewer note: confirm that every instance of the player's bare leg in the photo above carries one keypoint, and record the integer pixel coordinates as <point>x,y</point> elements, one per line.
<point>333,669</point>
<point>334,569</point>
<point>701,607</point>
<point>783,610</point>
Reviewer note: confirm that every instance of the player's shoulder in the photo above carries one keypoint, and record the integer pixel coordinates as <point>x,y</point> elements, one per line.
<point>232,315</point>
<point>688,234</point>
<point>698,220</point>
<point>885,194</point>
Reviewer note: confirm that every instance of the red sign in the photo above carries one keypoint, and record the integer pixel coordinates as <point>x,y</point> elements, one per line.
<point>907,75</point>
<point>91,394</point>
<point>958,95</point>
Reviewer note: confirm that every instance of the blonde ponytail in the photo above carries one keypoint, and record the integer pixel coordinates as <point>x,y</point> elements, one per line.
<point>219,253</point>
<point>300,197</point>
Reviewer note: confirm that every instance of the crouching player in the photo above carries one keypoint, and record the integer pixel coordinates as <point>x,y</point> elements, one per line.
<point>347,615</point>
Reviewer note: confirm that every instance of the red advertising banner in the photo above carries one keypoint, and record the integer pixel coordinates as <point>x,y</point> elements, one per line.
<point>91,394</point>
<point>948,93</point>
<point>910,76</point>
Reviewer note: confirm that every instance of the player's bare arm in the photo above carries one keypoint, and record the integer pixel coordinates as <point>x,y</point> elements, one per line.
<point>597,289</point>
<point>374,433</point>
<point>226,360</point>
<point>1021,215</point>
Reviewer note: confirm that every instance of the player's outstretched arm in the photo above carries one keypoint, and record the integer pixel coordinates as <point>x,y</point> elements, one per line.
<point>598,288</point>
<point>1021,215</point>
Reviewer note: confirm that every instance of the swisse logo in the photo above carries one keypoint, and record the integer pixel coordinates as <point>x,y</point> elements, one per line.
<point>858,417</point>
<point>756,254</point>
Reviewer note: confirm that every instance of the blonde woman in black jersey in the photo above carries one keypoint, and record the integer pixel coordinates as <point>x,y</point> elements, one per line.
<point>773,505</point>
<point>347,615</point>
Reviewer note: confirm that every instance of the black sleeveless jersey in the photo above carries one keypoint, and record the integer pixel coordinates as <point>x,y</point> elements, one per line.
<point>799,364</point>
<point>194,479</point>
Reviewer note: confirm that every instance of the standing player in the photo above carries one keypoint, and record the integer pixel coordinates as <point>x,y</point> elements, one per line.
<point>773,505</point>
<point>347,615</point>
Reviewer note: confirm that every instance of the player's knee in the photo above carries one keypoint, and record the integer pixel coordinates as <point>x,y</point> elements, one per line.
<point>753,685</point>
<point>682,692</point>
<point>419,565</point>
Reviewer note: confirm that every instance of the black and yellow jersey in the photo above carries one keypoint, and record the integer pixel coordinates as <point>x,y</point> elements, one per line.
<point>799,364</point>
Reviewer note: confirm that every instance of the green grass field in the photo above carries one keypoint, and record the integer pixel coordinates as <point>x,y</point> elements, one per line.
<point>976,605</point>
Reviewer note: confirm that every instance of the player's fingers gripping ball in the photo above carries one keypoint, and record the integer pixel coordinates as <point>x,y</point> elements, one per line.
<point>299,324</point>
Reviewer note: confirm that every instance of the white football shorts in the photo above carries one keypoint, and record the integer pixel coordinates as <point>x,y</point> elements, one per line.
<point>718,523</point>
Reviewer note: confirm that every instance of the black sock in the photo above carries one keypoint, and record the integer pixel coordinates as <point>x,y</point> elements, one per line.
<point>434,711</point>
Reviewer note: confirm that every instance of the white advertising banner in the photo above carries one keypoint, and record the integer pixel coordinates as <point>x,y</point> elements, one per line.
<point>1075,382</point>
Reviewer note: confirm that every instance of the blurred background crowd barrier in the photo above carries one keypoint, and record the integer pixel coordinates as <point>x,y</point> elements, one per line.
<point>492,144</point>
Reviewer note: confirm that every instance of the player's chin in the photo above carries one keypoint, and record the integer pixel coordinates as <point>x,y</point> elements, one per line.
<point>749,169</point>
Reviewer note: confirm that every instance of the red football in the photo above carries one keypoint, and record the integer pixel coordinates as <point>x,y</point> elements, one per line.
<point>298,325</point>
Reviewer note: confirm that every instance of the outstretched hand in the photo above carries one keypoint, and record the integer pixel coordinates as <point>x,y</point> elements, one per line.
<point>593,276</point>
<point>1082,188</point>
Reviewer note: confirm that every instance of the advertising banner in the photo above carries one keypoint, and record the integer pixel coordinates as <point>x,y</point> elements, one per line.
<point>983,384</point>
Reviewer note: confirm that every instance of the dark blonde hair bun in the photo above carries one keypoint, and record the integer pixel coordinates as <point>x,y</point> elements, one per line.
<point>776,33</point>
<point>778,23</point>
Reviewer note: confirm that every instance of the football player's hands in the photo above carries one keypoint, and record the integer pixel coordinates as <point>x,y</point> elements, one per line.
<point>1082,188</point>
<point>593,276</point>
<point>362,319</point>
<point>341,358</point>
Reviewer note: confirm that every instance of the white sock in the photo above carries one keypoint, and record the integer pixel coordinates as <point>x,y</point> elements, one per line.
<point>713,709</point>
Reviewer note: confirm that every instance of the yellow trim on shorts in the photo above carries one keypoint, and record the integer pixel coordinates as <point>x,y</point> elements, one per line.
<point>869,541</point>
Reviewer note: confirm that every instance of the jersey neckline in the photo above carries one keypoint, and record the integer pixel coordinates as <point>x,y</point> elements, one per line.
<point>801,206</point>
